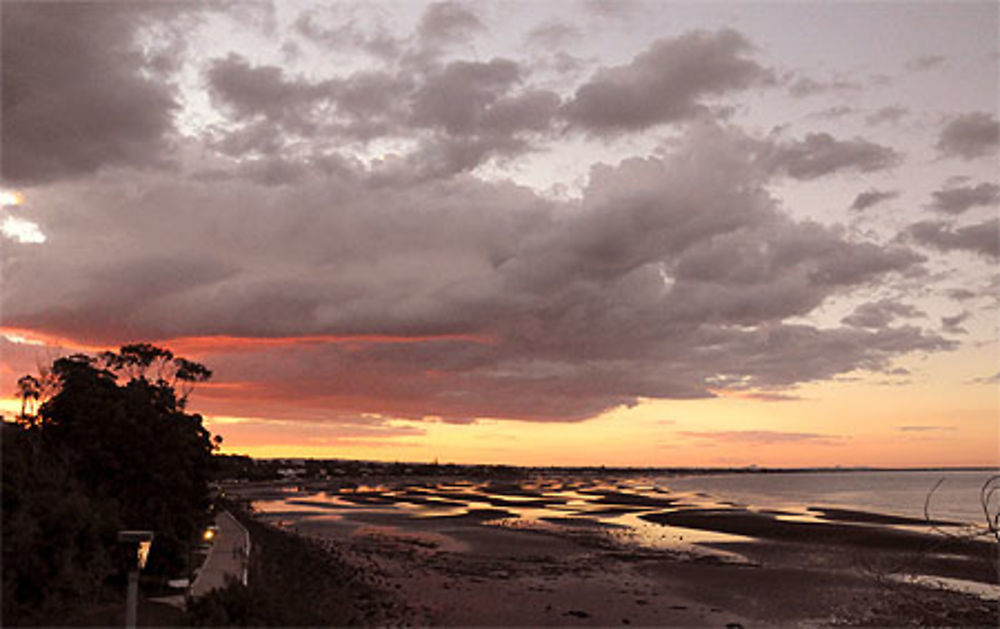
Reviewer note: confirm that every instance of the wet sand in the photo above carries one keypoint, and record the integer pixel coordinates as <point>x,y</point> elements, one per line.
<point>617,552</point>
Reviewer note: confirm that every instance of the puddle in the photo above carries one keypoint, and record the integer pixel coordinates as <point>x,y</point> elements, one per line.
<point>571,507</point>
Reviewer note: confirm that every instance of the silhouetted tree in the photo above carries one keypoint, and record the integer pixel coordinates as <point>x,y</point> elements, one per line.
<point>113,431</point>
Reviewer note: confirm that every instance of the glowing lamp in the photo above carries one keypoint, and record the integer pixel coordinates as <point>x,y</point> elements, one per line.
<point>138,542</point>
<point>209,533</point>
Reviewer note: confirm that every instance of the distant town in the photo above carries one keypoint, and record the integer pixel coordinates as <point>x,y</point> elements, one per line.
<point>240,468</point>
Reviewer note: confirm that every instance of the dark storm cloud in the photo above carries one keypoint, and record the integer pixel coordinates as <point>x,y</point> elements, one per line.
<point>982,238</point>
<point>74,95</point>
<point>958,199</point>
<point>820,154</point>
<point>671,277</point>
<point>879,314</point>
<point>867,199</point>
<point>665,83</point>
<point>970,135</point>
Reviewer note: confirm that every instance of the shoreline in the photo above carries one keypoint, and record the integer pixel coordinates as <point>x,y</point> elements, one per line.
<point>612,552</point>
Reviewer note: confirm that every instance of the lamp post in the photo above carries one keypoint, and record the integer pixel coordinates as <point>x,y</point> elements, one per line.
<point>136,545</point>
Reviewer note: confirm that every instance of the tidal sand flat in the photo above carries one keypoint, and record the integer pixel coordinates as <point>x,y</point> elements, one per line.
<point>596,551</point>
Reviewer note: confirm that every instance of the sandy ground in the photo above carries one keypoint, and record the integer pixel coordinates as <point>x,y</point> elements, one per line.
<point>621,554</point>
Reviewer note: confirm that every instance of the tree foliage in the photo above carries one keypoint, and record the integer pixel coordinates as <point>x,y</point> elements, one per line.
<point>110,446</point>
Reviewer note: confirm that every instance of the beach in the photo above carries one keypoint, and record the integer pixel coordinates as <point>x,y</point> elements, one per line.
<point>587,550</point>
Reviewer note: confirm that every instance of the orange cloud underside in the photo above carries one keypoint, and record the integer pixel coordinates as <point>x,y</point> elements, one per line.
<point>218,344</point>
<point>854,422</point>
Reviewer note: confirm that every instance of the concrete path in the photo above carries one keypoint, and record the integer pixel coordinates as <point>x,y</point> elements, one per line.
<point>228,558</point>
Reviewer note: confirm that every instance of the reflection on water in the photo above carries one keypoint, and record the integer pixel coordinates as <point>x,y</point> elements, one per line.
<point>949,494</point>
<point>633,515</point>
<point>606,512</point>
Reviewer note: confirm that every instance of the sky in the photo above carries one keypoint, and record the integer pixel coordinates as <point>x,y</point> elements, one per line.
<point>535,233</point>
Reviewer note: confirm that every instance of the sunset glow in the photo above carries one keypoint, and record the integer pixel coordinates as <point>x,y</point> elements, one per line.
<point>717,234</point>
<point>10,198</point>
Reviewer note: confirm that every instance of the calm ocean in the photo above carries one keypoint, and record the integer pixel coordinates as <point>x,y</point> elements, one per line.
<point>902,493</point>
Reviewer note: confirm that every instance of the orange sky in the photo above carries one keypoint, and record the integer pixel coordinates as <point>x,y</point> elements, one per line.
<point>944,419</point>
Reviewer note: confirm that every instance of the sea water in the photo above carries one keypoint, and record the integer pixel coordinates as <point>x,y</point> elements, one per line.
<point>953,495</point>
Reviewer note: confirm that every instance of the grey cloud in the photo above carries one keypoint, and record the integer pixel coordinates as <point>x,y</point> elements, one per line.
<point>994,379</point>
<point>958,199</point>
<point>445,22</point>
<point>735,279</point>
<point>617,9</point>
<point>924,428</point>
<point>770,396</point>
<point>347,35</point>
<point>762,437</point>
<point>970,135</point>
<point>867,199</point>
<point>961,294</point>
<point>879,314</point>
<point>891,114</point>
<point>925,62</point>
<point>831,113</point>
<point>552,35</point>
<point>982,238</point>
<point>474,111</point>
<point>801,87</point>
<point>953,324</point>
<point>520,307</point>
<point>74,96</point>
<point>264,91</point>
<point>805,86</point>
<point>277,171</point>
<point>783,355</point>
<point>665,83</point>
<point>820,154</point>
<point>880,80</point>
<point>531,110</point>
<point>465,112</point>
<point>454,98</point>
<point>565,63</point>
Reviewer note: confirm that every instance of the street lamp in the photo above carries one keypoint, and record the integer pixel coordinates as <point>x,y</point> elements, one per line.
<point>209,534</point>
<point>136,544</point>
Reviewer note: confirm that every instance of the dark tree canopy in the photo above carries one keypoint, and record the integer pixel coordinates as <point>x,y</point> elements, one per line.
<point>110,446</point>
